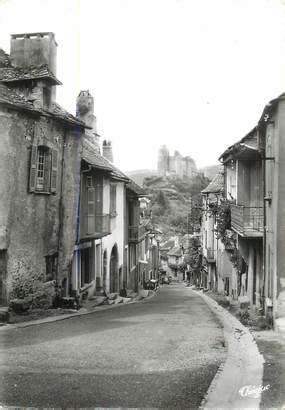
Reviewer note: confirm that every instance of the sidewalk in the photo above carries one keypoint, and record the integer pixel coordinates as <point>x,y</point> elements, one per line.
<point>87,309</point>
<point>243,366</point>
<point>271,345</point>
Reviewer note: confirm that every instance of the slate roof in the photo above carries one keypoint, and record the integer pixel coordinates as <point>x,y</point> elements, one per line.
<point>132,186</point>
<point>59,112</point>
<point>250,141</point>
<point>247,145</point>
<point>117,173</point>
<point>94,158</point>
<point>11,74</point>
<point>269,109</point>
<point>15,99</point>
<point>10,97</point>
<point>4,59</point>
<point>216,185</point>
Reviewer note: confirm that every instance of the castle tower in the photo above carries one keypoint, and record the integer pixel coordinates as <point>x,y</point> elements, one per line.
<point>178,164</point>
<point>85,113</point>
<point>163,161</point>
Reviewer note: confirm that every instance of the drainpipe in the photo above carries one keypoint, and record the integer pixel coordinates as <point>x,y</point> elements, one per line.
<point>60,209</point>
<point>264,238</point>
<point>78,253</point>
<point>101,265</point>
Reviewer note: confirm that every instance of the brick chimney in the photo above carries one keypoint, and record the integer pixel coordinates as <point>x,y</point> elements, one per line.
<point>33,49</point>
<point>107,150</point>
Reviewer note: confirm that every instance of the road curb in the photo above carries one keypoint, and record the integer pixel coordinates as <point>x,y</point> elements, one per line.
<point>58,318</point>
<point>243,365</point>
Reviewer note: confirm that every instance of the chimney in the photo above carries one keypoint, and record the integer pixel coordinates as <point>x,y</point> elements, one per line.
<point>85,108</point>
<point>33,49</point>
<point>107,150</point>
<point>85,113</point>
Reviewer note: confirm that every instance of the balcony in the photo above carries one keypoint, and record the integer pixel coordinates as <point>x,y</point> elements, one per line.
<point>247,221</point>
<point>136,233</point>
<point>94,227</point>
<point>211,255</point>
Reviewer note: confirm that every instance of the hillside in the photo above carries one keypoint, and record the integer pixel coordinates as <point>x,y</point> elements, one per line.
<point>139,175</point>
<point>173,201</point>
<point>210,171</point>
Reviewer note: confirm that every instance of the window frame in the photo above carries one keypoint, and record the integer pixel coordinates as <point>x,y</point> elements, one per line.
<point>43,174</point>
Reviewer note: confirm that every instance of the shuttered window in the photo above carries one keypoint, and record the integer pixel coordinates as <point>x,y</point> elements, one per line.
<point>54,163</point>
<point>90,211</point>
<point>113,199</point>
<point>43,169</point>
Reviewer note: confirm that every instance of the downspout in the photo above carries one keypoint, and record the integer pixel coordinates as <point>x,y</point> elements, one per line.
<point>77,242</point>
<point>78,218</point>
<point>101,264</point>
<point>264,291</point>
<point>60,213</point>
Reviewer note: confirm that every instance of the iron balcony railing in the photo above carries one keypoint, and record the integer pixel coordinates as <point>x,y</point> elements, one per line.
<point>247,220</point>
<point>211,255</point>
<point>96,226</point>
<point>136,233</point>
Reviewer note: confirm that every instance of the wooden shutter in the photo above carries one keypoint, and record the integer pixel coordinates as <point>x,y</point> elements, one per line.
<point>53,173</point>
<point>90,211</point>
<point>113,195</point>
<point>33,169</point>
<point>99,195</point>
<point>99,204</point>
<point>47,179</point>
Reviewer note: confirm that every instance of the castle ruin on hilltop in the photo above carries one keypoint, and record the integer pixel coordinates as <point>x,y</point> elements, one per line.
<point>175,165</point>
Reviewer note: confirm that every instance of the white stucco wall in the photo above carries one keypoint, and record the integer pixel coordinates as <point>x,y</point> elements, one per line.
<point>117,224</point>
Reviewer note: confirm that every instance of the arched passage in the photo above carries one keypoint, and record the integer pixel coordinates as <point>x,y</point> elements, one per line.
<point>114,260</point>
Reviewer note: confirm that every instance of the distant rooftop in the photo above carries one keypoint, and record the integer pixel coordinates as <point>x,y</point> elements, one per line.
<point>216,185</point>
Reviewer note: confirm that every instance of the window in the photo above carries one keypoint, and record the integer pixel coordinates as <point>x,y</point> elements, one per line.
<point>43,169</point>
<point>113,200</point>
<point>89,182</point>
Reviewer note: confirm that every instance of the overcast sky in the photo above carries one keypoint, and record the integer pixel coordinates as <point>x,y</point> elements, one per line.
<point>191,74</point>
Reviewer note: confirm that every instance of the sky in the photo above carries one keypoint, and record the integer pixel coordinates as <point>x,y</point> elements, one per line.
<point>192,74</point>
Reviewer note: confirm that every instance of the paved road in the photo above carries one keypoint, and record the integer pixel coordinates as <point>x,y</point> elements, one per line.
<point>160,353</point>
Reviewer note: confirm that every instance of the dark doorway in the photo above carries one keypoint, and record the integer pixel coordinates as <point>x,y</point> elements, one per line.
<point>85,266</point>
<point>114,269</point>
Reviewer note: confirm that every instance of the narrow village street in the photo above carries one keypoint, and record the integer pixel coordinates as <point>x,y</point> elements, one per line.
<point>162,352</point>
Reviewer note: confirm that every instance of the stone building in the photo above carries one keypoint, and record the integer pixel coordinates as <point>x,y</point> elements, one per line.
<point>175,165</point>
<point>110,232</point>
<point>244,189</point>
<point>39,162</point>
<point>254,190</point>
<point>68,216</point>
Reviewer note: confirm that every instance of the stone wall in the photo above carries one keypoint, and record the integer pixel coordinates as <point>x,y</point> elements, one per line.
<point>36,225</point>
